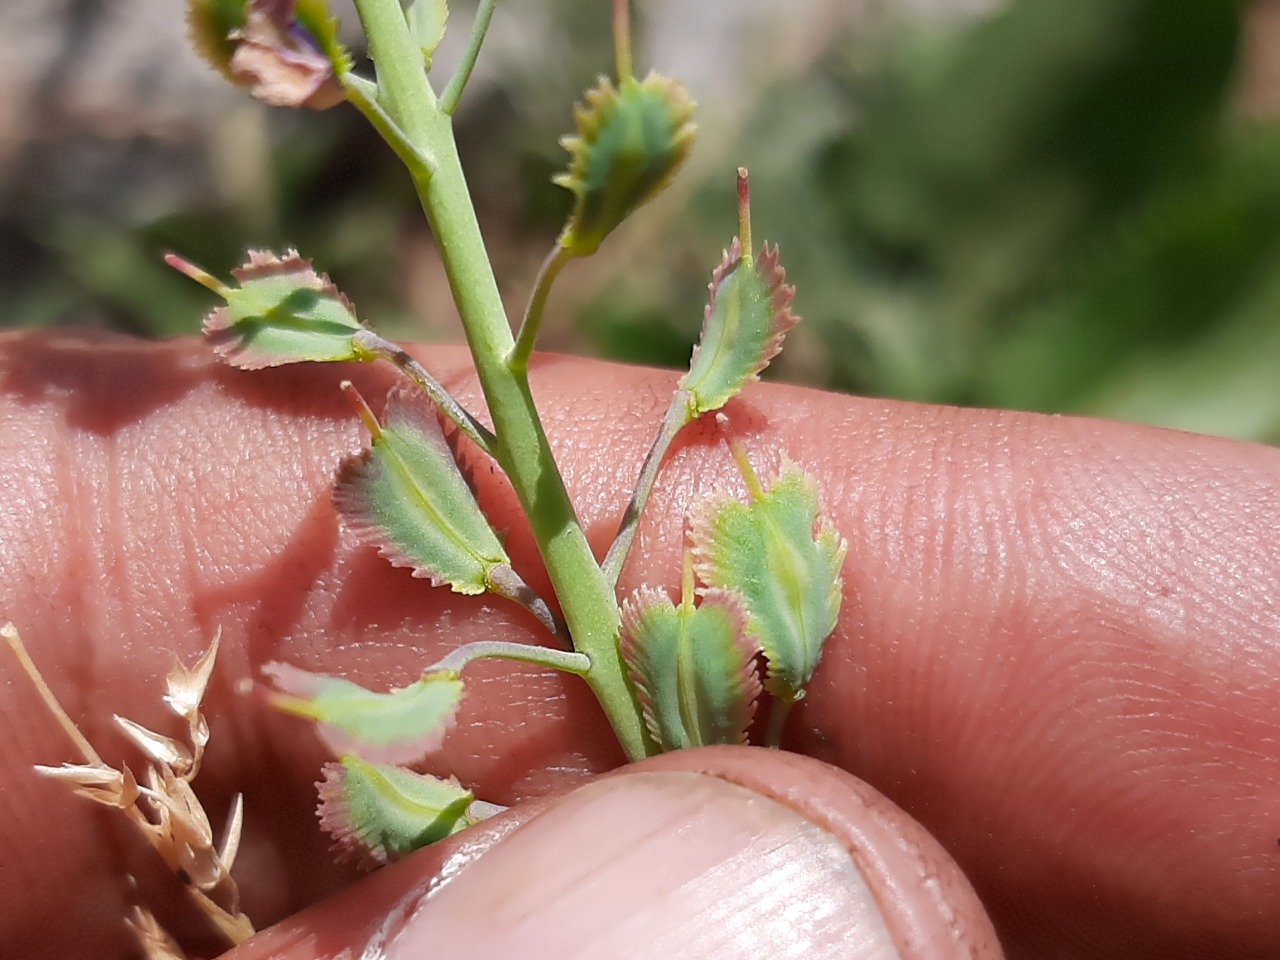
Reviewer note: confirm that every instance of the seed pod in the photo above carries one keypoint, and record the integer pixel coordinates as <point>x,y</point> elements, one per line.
<point>631,140</point>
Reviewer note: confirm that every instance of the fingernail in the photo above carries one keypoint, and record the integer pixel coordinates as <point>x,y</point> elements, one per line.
<point>668,865</point>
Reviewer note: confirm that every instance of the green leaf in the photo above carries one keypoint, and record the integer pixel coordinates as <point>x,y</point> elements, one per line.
<point>395,727</point>
<point>692,667</point>
<point>784,558</point>
<point>378,812</point>
<point>631,140</point>
<point>282,312</point>
<point>747,316</point>
<point>406,496</point>
<point>427,21</point>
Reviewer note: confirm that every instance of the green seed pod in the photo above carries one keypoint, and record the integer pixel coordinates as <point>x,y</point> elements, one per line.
<point>631,140</point>
<point>281,312</point>
<point>379,812</point>
<point>693,667</point>
<point>783,556</point>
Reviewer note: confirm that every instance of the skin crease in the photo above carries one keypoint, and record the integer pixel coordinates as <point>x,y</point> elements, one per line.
<point>1058,648</point>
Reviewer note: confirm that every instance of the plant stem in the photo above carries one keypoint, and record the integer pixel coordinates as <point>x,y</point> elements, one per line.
<point>87,753</point>
<point>398,62</point>
<point>588,601</point>
<point>458,82</point>
<point>778,712</point>
<point>677,414</point>
<point>676,418</point>
<point>622,38</point>
<point>754,489</point>
<point>550,269</point>
<point>505,582</point>
<point>521,446</point>
<point>362,95</point>
<point>564,660</point>
<point>744,214</point>
<point>374,346</point>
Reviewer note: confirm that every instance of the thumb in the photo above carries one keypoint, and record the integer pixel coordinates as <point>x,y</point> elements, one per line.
<point>721,852</point>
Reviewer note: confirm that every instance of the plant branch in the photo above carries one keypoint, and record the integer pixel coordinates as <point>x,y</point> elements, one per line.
<point>363,95</point>
<point>373,345</point>
<point>744,215</point>
<point>458,82</point>
<point>547,273</point>
<point>676,418</point>
<point>566,661</point>
<point>778,712</point>
<point>754,490</point>
<point>368,89</point>
<point>505,582</point>
<point>589,605</point>
<point>521,447</point>
<point>397,61</point>
<point>622,38</point>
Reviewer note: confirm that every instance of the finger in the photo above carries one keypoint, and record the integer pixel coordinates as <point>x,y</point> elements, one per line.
<point>153,497</point>
<point>1058,649</point>
<point>702,854</point>
<point>1055,650</point>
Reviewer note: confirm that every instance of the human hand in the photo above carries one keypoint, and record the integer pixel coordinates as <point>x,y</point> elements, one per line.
<point>1058,651</point>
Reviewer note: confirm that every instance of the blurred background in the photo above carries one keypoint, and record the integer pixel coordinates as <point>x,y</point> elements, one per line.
<point>1054,205</point>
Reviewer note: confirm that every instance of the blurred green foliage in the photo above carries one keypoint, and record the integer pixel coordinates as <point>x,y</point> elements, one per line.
<point>1057,207</point>
<point>1060,209</point>
<point>1067,198</point>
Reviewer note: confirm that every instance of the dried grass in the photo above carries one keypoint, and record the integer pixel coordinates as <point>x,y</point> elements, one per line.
<point>163,805</point>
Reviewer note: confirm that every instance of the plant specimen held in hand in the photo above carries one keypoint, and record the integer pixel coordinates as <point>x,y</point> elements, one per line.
<point>760,584</point>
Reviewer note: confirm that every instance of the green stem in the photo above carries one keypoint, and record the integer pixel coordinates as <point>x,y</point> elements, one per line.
<point>458,82</point>
<point>566,661</point>
<point>754,489</point>
<point>551,267</point>
<point>505,582</point>
<point>198,274</point>
<point>367,88</point>
<point>402,83</point>
<point>363,95</point>
<point>373,346</point>
<point>622,38</point>
<point>778,712</point>
<point>521,448</point>
<point>674,421</point>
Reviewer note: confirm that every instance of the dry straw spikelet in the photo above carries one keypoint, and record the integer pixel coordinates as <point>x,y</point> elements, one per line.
<point>155,941</point>
<point>163,806</point>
